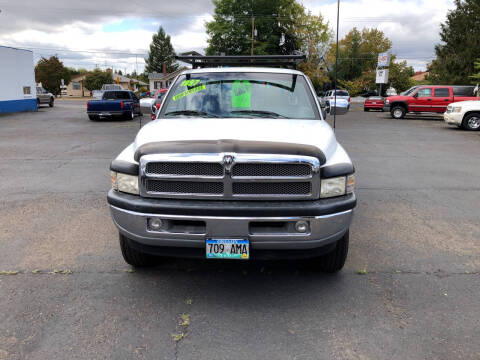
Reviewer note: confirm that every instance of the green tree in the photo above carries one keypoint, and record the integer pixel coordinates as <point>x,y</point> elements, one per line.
<point>313,37</point>
<point>50,72</point>
<point>460,46</point>
<point>96,78</point>
<point>230,31</point>
<point>400,75</point>
<point>476,77</point>
<point>161,51</point>
<point>358,52</point>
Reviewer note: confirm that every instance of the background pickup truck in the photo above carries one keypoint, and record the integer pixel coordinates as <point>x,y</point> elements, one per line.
<point>433,99</point>
<point>118,103</point>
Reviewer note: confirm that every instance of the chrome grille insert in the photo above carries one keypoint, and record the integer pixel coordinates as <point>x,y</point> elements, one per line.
<point>230,176</point>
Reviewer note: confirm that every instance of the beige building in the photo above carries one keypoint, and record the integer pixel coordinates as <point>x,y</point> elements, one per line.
<point>162,81</point>
<point>127,83</point>
<point>75,88</point>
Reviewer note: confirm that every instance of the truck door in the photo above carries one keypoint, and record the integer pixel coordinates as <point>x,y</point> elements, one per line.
<point>422,100</point>
<point>442,97</point>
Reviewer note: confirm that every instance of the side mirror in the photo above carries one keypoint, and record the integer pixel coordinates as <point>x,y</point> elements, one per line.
<point>341,107</point>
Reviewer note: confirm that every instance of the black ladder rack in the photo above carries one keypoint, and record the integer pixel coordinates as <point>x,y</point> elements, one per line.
<point>200,61</point>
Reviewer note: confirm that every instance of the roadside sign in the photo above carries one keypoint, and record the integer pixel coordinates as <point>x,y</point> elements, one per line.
<point>383,60</point>
<point>382,76</point>
<point>62,82</point>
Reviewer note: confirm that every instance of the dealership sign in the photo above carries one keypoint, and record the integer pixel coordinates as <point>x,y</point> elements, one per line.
<point>383,60</point>
<point>382,76</point>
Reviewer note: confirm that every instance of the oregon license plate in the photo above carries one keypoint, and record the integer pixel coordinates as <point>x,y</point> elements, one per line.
<point>238,249</point>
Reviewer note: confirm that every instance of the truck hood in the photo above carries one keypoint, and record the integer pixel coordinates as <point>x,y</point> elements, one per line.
<point>398,98</point>
<point>315,133</point>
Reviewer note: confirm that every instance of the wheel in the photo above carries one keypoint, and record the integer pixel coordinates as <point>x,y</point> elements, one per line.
<point>471,122</point>
<point>51,102</point>
<point>93,117</point>
<point>130,115</point>
<point>135,257</point>
<point>398,112</point>
<point>334,260</point>
<point>38,102</point>
<point>365,109</point>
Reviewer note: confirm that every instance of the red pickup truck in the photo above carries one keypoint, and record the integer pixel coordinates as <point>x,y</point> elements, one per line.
<point>427,98</point>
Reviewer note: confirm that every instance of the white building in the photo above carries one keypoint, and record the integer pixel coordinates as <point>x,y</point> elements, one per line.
<point>17,80</point>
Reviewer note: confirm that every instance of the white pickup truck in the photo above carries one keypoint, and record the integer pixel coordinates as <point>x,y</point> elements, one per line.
<point>465,114</point>
<point>239,164</point>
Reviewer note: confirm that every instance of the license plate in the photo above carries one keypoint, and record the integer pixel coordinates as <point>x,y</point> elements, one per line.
<point>374,103</point>
<point>238,249</point>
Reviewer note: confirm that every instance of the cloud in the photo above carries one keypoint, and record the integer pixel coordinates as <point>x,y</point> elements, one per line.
<point>412,25</point>
<point>126,26</point>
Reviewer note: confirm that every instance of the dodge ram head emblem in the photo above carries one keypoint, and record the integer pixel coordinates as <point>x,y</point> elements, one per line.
<point>228,162</point>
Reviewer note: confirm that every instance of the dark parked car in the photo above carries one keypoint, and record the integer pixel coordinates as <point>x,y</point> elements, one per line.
<point>117,103</point>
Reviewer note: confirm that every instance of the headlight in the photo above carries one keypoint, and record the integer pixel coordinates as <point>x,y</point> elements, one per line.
<point>124,183</point>
<point>333,187</point>
<point>387,101</point>
<point>337,186</point>
<point>457,109</point>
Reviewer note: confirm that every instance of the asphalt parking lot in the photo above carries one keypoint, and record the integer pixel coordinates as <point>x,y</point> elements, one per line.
<point>410,288</point>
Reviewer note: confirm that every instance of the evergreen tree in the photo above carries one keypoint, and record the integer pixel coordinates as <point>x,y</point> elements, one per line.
<point>475,78</point>
<point>161,51</point>
<point>460,46</point>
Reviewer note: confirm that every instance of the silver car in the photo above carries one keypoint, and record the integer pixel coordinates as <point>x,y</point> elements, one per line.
<point>44,97</point>
<point>330,96</point>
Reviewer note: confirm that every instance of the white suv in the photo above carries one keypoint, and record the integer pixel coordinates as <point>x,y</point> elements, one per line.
<point>465,114</point>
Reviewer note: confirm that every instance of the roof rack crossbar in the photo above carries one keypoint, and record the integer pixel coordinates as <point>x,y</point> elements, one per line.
<point>288,61</point>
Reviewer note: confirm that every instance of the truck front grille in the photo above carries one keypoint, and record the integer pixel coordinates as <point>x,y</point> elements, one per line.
<point>268,170</point>
<point>184,168</point>
<point>184,187</point>
<point>274,188</point>
<point>230,177</point>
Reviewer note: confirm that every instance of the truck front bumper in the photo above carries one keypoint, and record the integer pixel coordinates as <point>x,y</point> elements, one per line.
<point>453,118</point>
<point>267,225</point>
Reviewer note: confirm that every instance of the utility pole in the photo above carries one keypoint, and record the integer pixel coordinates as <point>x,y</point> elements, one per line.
<point>253,34</point>
<point>336,69</point>
<point>136,66</point>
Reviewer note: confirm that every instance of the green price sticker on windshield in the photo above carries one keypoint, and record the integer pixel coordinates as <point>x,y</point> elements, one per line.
<point>241,94</point>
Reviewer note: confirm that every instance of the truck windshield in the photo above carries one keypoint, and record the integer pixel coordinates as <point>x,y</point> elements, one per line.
<point>242,94</point>
<point>409,91</point>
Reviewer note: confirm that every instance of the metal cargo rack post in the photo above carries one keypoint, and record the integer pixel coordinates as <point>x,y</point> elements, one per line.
<point>200,61</point>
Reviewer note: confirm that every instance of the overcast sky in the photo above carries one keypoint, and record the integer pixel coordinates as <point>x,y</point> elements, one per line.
<point>109,33</point>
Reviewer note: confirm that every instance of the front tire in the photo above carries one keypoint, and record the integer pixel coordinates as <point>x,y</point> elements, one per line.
<point>51,102</point>
<point>135,257</point>
<point>398,112</point>
<point>335,260</point>
<point>365,109</point>
<point>471,122</point>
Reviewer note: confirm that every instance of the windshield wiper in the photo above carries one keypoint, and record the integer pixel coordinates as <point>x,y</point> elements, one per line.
<point>261,113</point>
<point>190,113</point>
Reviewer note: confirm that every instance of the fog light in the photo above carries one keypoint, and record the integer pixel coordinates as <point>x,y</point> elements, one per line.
<point>301,226</point>
<point>155,223</point>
